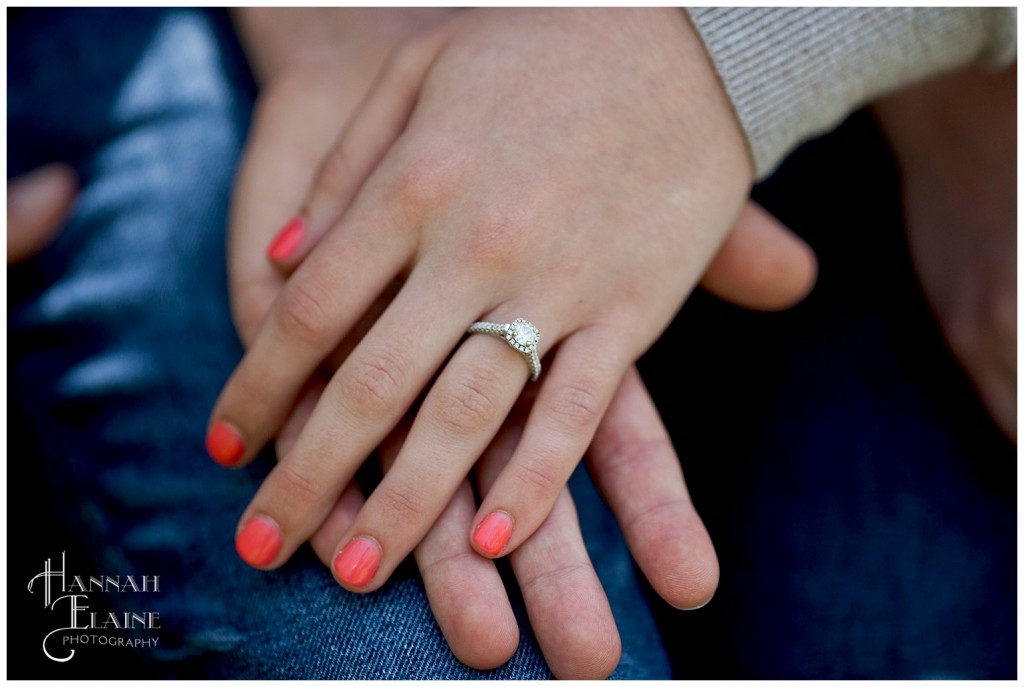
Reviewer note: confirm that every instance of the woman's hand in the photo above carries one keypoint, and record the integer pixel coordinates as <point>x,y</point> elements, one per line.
<point>296,122</point>
<point>577,167</point>
<point>761,265</point>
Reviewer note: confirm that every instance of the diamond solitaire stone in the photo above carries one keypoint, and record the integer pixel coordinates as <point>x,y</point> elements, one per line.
<point>520,334</point>
<point>523,335</point>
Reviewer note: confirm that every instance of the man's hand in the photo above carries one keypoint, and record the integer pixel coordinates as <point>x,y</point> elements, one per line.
<point>955,141</point>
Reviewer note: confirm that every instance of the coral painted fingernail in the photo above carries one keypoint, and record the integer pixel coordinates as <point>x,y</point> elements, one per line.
<point>287,240</point>
<point>493,533</point>
<point>224,444</point>
<point>358,561</point>
<point>258,542</point>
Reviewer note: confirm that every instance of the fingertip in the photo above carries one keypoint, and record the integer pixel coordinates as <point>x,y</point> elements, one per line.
<point>803,274</point>
<point>782,275</point>
<point>259,541</point>
<point>491,536</point>
<point>482,635</point>
<point>586,651</point>
<point>699,606</point>
<point>762,265</point>
<point>286,242</point>
<point>679,560</point>
<point>693,590</point>
<point>357,564</point>
<point>224,444</point>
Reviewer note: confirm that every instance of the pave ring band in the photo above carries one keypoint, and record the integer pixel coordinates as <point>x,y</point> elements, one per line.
<point>520,335</point>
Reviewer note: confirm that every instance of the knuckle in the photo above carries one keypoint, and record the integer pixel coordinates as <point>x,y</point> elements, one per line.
<point>468,405</point>
<point>671,508</point>
<point>303,312</point>
<point>565,573</point>
<point>336,171</point>
<point>373,387</point>
<point>538,474</point>
<point>576,408</point>
<point>425,180</point>
<point>400,505</point>
<point>297,487</point>
<point>248,310</point>
<point>449,564</point>
<point>626,453</point>
<point>249,391</point>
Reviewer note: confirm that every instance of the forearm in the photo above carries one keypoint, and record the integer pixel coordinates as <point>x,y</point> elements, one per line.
<point>796,72</point>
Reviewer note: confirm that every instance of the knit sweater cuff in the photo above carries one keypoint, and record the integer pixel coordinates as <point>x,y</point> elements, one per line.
<point>792,73</point>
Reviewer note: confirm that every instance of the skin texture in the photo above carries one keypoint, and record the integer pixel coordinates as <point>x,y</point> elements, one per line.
<point>760,265</point>
<point>955,142</point>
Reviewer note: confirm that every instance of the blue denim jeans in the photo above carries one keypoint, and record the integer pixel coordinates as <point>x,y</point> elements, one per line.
<point>121,338</point>
<point>862,505</point>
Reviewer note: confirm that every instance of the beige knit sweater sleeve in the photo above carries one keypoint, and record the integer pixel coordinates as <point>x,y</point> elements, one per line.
<point>792,73</point>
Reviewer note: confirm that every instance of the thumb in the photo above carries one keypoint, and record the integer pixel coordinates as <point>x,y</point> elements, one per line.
<point>37,205</point>
<point>761,265</point>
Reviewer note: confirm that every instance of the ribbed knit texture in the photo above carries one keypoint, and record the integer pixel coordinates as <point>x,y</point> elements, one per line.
<point>792,73</point>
